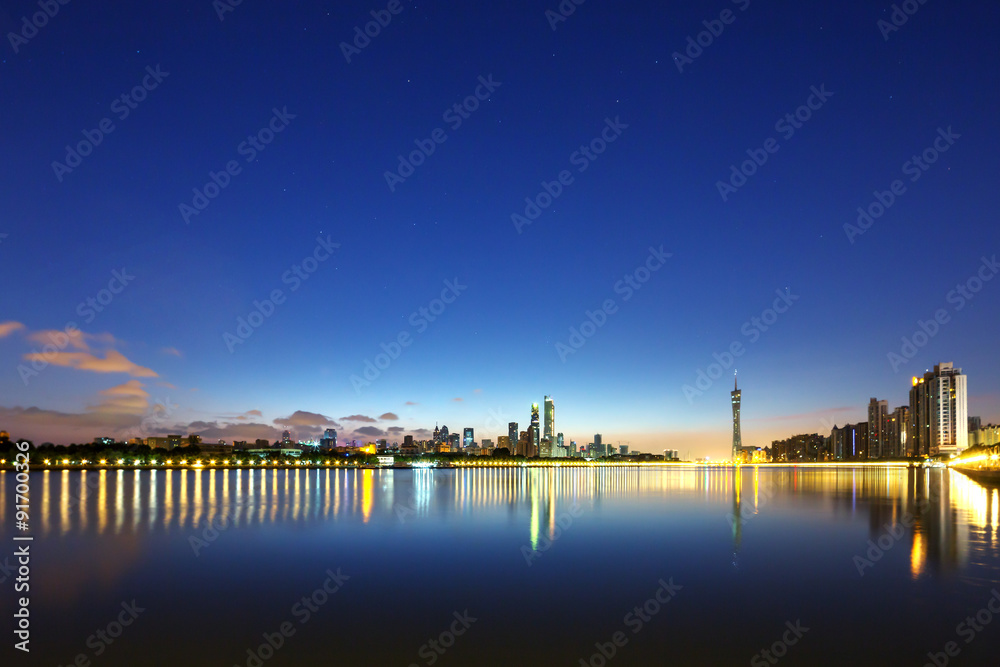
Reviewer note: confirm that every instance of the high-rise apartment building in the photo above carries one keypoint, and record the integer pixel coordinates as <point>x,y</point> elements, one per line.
<point>939,413</point>
<point>512,436</point>
<point>899,421</point>
<point>878,427</point>
<point>468,438</point>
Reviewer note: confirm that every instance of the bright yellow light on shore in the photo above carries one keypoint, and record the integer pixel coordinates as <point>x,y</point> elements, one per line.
<point>121,461</point>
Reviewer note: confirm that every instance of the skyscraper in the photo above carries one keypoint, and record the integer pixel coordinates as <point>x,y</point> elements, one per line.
<point>737,440</point>
<point>468,438</point>
<point>550,419</point>
<point>878,429</point>
<point>512,435</point>
<point>939,412</point>
<point>535,429</point>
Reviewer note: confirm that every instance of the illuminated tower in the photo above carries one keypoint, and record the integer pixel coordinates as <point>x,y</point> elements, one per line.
<point>737,441</point>
<point>534,429</point>
<point>550,419</point>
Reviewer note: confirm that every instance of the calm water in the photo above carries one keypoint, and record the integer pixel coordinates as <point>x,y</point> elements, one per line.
<point>540,564</point>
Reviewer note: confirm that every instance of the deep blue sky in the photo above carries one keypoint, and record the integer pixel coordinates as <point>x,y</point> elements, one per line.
<point>495,346</point>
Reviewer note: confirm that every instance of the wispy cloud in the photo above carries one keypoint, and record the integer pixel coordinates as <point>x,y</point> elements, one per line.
<point>112,362</point>
<point>359,418</point>
<point>9,327</point>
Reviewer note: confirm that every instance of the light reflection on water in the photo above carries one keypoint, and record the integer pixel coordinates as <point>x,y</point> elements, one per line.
<point>960,523</point>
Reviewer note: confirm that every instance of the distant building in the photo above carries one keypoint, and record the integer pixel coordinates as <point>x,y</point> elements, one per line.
<point>985,436</point>
<point>329,439</point>
<point>545,448</point>
<point>975,423</point>
<point>805,447</point>
<point>523,444</point>
<point>504,441</point>
<point>939,420</point>
<point>468,438</point>
<point>512,435</point>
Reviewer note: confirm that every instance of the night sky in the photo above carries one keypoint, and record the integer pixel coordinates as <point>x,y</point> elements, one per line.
<point>622,132</point>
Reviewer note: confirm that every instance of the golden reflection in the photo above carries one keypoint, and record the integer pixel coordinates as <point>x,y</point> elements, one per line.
<point>64,494</point>
<point>119,501</point>
<point>46,500</point>
<point>918,555</point>
<point>182,500</point>
<point>367,494</point>
<point>102,501</point>
<point>197,496</point>
<point>136,503</point>
<point>535,523</point>
<point>82,500</point>
<point>168,499</point>
<point>154,503</point>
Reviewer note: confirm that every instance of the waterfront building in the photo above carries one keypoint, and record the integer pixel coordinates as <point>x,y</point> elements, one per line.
<point>898,423</point>
<point>878,427</point>
<point>468,438</point>
<point>939,419</point>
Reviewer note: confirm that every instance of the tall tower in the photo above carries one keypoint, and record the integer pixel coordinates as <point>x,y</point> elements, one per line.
<point>550,419</point>
<point>737,441</point>
<point>534,428</point>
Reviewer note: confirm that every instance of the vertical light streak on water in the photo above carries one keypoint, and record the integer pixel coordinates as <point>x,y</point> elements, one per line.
<point>238,500</point>
<point>102,501</point>
<point>326,496</point>
<point>288,498</point>
<point>196,514</point>
<point>119,501</point>
<point>296,495</point>
<point>137,504</point>
<point>154,501</point>
<point>535,522</point>
<point>336,494</point>
<point>213,500</point>
<point>168,499</point>
<point>225,508</point>
<point>64,494</point>
<point>183,503</point>
<point>82,501</point>
<point>367,494</point>
<point>46,501</point>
